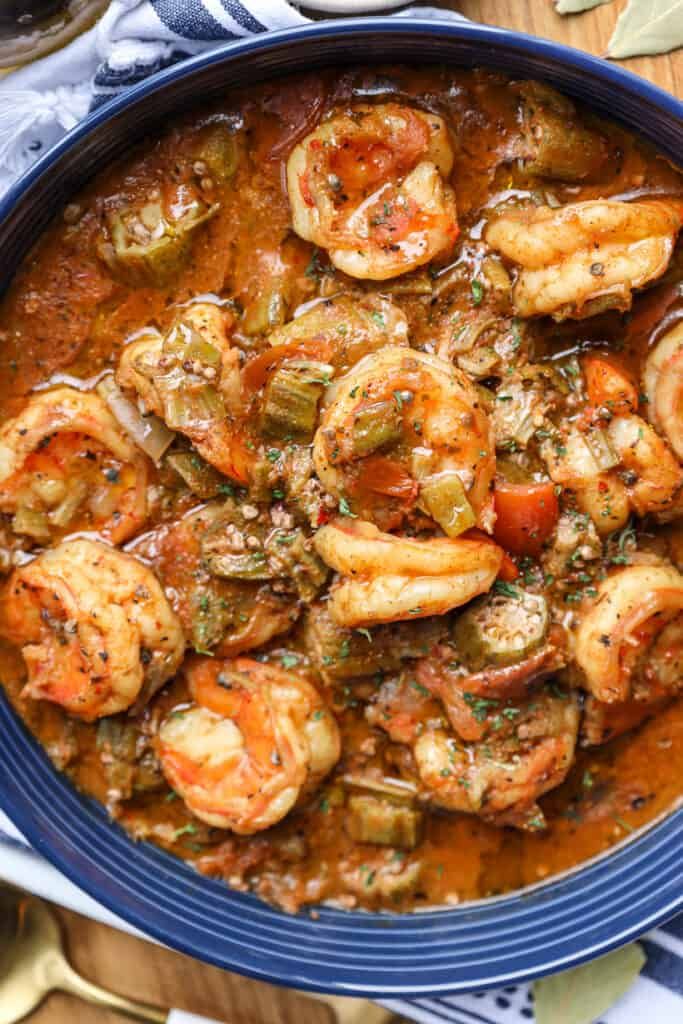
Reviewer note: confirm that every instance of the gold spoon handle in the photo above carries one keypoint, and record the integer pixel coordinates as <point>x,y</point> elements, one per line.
<point>68,981</point>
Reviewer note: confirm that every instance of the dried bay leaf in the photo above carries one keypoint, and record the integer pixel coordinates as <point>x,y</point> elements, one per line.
<point>647,27</point>
<point>582,995</point>
<point>576,6</point>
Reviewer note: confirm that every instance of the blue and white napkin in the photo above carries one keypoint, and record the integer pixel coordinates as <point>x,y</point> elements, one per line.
<point>133,39</point>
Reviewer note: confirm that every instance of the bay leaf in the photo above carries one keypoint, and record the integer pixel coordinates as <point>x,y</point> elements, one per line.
<point>582,995</point>
<point>576,6</point>
<point>647,27</point>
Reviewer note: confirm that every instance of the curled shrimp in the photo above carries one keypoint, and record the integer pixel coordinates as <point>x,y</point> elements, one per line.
<point>522,755</point>
<point>603,722</point>
<point>388,579</point>
<point>586,257</point>
<point>630,640</point>
<point>663,383</point>
<point>402,427</point>
<point>651,472</point>
<point>190,378</point>
<point>600,493</point>
<point>368,186</point>
<point>94,626</point>
<point>404,708</point>
<point>254,739</point>
<point>65,465</point>
<point>624,468</point>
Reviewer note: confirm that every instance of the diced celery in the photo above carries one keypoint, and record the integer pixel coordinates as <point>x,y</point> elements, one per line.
<point>443,496</point>
<point>268,311</point>
<point>187,407</point>
<point>515,412</point>
<point>375,426</point>
<point>202,479</point>
<point>290,402</point>
<point>32,523</point>
<point>600,448</point>
<point>371,819</point>
<point>64,512</point>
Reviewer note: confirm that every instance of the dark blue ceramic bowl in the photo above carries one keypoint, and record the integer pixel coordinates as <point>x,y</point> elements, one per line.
<point>550,927</point>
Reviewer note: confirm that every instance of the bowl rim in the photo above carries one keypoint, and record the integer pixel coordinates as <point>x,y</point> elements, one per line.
<point>35,826</point>
<point>614,74</point>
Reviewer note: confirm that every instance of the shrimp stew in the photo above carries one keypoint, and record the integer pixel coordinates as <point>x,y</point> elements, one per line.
<point>341,496</point>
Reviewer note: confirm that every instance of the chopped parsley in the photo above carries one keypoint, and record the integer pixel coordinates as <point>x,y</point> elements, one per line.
<point>186,830</point>
<point>507,590</point>
<point>479,706</point>
<point>345,508</point>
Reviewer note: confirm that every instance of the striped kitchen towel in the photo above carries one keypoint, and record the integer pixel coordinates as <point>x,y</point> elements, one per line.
<point>133,39</point>
<point>38,104</point>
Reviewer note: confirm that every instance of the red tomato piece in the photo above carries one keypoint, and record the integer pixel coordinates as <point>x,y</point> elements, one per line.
<point>386,476</point>
<point>526,515</point>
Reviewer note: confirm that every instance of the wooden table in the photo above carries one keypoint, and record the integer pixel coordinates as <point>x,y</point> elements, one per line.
<point>138,969</point>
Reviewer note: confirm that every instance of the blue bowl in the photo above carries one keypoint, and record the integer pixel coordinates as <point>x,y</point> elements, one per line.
<point>480,945</point>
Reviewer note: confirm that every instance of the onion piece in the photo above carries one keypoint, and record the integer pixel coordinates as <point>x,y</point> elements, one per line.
<point>148,432</point>
<point>400,789</point>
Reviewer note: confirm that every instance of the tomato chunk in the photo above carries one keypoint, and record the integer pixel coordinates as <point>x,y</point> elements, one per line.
<point>386,476</point>
<point>526,515</point>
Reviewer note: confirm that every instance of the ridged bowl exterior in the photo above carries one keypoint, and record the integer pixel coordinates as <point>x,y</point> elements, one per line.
<point>482,945</point>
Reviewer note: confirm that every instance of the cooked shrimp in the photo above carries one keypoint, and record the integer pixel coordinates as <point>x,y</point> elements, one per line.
<point>191,379</point>
<point>602,722</point>
<point>65,465</point>
<point>252,742</point>
<point>583,461</point>
<point>613,471</point>
<point>406,428</point>
<point>387,578</point>
<point>524,754</point>
<point>403,707</point>
<point>582,258</point>
<point>651,472</point>
<point>96,631</point>
<point>368,186</point>
<point>663,384</point>
<point>630,640</point>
